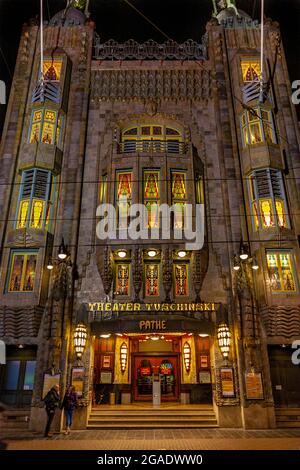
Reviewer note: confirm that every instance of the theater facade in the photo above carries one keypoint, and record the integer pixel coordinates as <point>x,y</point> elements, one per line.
<point>179,125</point>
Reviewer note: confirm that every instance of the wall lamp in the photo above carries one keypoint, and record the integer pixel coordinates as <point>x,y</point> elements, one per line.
<point>224,339</point>
<point>123,356</point>
<point>80,338</point>
<point>187,356</point>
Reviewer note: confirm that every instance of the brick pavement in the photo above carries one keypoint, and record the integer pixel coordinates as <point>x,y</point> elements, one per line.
<point>179,439</point>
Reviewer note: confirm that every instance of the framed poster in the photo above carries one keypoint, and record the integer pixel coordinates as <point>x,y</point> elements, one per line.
<point>204,377</point>
<point>106,362</point>
<point>78,380</point>
<point>49,382</point>
<point>254,386</point>
<point>227,382</point>
<point>106,377</point>
<point>204,361</point>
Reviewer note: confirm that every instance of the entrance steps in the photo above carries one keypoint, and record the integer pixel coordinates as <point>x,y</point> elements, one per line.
<point>15,419</point>
<point>142,416</point>
<point>287,417</point>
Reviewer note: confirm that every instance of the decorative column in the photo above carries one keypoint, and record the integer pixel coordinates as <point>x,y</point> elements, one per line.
<point>167,273</point>
<point>137,273</point>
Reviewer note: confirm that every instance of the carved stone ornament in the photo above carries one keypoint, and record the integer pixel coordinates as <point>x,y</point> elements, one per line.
<point>137,273</point>
<point>106,271</point>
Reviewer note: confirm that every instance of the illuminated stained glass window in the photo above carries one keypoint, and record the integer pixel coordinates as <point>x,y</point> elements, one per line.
<point>152,196</point>
<point>181,280</point>
<point>199,190</point>
<point>123,196</point>
<point>103,190</point>
<point>179,197</point>
<point>122,279</point>
<point>152,138</point>
<point>47,126</point>
<point>281,271</point>
<point>268,200</point>
<point>152,280</point>
<point>37,193</point>
<point>22,271</point>
<point>52,70</point>
<point>258,126</point>
<point>250,70</point>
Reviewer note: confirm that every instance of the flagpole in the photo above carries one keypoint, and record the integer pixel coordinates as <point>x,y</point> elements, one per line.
<point>42,40</point>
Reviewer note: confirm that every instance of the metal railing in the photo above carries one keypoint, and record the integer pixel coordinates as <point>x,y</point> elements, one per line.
<point>153,146</point>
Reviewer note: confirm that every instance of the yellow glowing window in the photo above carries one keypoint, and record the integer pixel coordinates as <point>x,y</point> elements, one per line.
<point>179,196</point>
<point>22,272</point>
<point>52,70</point>
<point>103,190</point>
<point>35,199</point>
<point>122,279</point>
<point>250,70</point>
<point>35,131</point>
<point>152,196</point>
<point>199,190</point>
<point>49,127</point>
<point>281,271</point>
<point>257,126</point>
<point>152,280</point>
<point>181,280</point>
<point>267,192</point>
<point>123,196</point>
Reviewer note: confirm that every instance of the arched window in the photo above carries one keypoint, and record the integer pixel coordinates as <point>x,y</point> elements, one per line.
<point>150,138</point>
<point>250,70</point>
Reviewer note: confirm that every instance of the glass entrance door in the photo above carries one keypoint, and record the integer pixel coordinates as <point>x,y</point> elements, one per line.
<point>145,367</point>
<point>17,378</point>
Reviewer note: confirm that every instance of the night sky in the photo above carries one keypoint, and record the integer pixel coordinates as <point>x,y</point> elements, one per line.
<point>179,19</point>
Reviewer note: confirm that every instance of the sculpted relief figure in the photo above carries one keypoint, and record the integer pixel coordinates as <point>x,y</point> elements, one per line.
<point>223,4</point>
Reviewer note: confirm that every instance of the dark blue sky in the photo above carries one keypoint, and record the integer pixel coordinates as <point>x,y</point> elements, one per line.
<point>179,19</point>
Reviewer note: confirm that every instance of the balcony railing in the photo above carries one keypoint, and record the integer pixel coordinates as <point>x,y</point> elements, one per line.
<point>153,146</point>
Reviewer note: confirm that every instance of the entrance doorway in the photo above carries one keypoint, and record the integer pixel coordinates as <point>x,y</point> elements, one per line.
<point>17,377</point>
<point>164,365</point>
<point>285,377</point>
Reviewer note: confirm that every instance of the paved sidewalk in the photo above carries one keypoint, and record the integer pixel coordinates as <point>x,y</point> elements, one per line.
<point>155,439</point>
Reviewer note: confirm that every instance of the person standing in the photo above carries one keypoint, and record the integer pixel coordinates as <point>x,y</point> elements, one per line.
<point>51,404</point>
<point>69,404</point>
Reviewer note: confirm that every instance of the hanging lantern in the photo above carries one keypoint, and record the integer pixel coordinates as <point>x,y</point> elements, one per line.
<point>224,339</point>
<point>123,356</point>
<point>187,356</point>
<point>80,337</point>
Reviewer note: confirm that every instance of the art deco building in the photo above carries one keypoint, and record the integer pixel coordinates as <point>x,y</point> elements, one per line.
<point>154,124</point>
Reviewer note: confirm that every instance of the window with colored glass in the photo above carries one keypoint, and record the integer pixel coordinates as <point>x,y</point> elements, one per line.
<point>152,280</point>
<point>250,70</point>
<point>122,280</point>
<point>199,190</point>
<point>257,126</point>
<point>152,196</point>
<point>52,70</point>
<point>47,126</point>
<point>181,280</point>
<point>22,271</point>
<point>36,198</point>
<point>281,271</point>
<point>103,190</point>
<point>179,197</point>
<point>268,199</point>
<point>123,196</point>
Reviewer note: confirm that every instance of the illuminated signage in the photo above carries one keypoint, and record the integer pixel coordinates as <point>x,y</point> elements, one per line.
<point>149,307</point>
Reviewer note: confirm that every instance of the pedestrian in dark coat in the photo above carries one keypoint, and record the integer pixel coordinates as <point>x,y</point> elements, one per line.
<point>69,404</point>
<point>51,404</point>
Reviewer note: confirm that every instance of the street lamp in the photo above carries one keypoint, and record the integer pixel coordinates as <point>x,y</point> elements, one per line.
<point>224,339</point>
